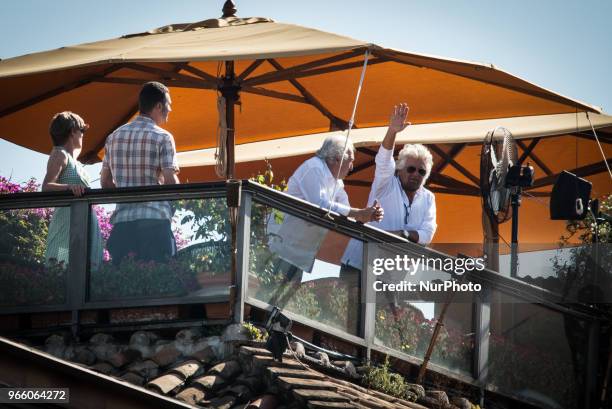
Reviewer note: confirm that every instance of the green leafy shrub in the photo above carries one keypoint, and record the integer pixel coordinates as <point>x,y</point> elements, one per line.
<point>254,333</point>
<point>382,379</point>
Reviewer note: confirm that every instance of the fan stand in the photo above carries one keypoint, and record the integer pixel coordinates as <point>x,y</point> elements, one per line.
<point>517,178</point>
<point>516,203</point>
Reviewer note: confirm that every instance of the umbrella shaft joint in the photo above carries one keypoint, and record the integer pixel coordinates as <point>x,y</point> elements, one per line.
<point>230,90</point>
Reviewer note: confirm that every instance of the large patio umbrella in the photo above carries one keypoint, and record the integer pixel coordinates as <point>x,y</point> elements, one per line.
<point>551,143</point>
<point>278,80</point>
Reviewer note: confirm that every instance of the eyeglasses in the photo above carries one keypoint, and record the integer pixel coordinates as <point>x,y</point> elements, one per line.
<point>412,169</point>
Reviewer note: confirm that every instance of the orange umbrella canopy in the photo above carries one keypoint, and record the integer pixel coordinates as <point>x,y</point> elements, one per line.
<point>292,81</point>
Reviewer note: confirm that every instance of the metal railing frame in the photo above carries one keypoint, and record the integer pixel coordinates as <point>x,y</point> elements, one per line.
<point>78,272</point>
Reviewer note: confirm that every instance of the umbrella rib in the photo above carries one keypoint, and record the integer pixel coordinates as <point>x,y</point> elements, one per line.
<point>274,94</point>
<point>170,83</point>
<point>361,167</point>
<point>527,151</point>
<point>455,150</point>
<point>456,165</point>
<point>589,137</point>
<point>582,171</point>
<point>170,74</point>
<point>272,76</point>
<point>535,158</point>
<point>449,191</point>
<point>366,151</point>
<point>336,121</point>
<point>92,153</point>
<point>254,65</point>
<point>318,71</point>
<point>450,182</point>
<point>200,73</point>
<point>56,91</point>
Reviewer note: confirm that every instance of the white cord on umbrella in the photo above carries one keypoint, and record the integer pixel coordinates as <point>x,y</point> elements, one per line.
<point>350,126</point>
<point>599,144</point>
<point>221,149</point>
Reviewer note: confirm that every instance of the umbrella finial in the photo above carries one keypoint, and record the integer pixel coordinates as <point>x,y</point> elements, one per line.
<point>229,9</point>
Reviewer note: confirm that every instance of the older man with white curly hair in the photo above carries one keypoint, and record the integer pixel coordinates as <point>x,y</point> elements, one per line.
<point>410,208</point>
<point>320,178</point>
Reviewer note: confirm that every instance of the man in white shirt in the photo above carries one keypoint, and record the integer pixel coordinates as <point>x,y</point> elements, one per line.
<point>318,181</point>
<point>410,209</point>
<point>320,177</point>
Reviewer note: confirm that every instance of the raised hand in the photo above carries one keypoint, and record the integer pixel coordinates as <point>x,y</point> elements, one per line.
<point>397,122</point>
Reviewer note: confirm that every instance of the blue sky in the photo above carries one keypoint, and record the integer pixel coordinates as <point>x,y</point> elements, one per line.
<point>562,45</point>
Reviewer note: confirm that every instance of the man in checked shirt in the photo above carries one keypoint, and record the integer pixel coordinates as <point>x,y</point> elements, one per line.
<point>140,153</point>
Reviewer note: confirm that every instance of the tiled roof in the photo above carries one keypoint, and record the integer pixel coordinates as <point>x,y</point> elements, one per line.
<point>231,372</point>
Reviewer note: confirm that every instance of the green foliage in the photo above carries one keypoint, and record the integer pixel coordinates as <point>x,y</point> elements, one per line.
<point>382,379</point>
<point>25,283</point>
<point>24,234</point>
<point>405,329</point>
<point>209,218</point>
<point>254,333</point>
<point>136,278</point>
<point>585,229</point>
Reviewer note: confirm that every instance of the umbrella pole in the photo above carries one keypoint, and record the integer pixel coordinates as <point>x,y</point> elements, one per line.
<point>230,92</point>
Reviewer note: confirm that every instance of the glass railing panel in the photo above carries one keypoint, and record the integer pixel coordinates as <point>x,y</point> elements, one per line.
<point>576,272</point>
<point>410,300</point>
<point>34,250</point>
<point>537,354</point>
<point>302,268</point>
<point>160,249</point>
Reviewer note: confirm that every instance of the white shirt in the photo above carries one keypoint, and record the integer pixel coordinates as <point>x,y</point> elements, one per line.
<point>298,241</point>
<point>314,182</point>
<point>400,214</point>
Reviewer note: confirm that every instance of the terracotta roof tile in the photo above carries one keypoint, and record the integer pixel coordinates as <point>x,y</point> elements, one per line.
<point>210,382</point>
<point>187,369</point>
<point>166,384</point>
<point>191,395</point>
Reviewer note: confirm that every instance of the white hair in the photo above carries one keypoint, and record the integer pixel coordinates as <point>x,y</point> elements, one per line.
<point>332,148</point>
<point>415,151</point>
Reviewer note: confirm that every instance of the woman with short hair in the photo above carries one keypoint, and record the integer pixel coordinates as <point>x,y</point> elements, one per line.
<point>65,172</point>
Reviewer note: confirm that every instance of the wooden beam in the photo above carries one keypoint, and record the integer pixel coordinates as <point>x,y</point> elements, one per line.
<point>455,150</point>
<point>167,75</point>
<point>462,192</point>
<point>605,138</point>
<point>359,183</point>
<point>274,94</point>
<point>366,151</point>
<point>202,74</point>
<point>249,70</point>
<point>169,83</point>
<point>271,76</point>
<point>457,166</point>
<point>452,183</point>
<point>361,167</point>
<point>336,121</point>
<point>582,171</point>
<point>92,155</point>
<point>319,71</point>
<point>59,90</point>
<point>533,156</point>
<point>527,151</point>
